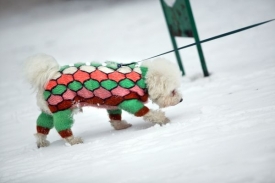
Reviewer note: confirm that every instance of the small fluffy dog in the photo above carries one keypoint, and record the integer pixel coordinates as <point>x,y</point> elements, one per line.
<point>113,86</point>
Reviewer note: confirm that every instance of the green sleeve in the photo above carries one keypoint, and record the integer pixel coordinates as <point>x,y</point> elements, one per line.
<point>132,106</point>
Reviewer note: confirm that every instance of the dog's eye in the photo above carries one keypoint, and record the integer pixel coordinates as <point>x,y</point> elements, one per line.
<point>173,92</point>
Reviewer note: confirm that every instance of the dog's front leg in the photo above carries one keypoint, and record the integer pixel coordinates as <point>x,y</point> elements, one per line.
<point>63,121</point>
<point>156,116</point>
<point>137,108</point>
<point>115,119</point>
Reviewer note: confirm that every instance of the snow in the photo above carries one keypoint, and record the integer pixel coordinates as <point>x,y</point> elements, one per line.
<point>223,131</point>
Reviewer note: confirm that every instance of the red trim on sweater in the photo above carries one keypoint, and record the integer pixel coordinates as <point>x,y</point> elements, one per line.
<point>42,130</point>
<point>66,133</point>
<point>115,117</point>
<point>142,111</point>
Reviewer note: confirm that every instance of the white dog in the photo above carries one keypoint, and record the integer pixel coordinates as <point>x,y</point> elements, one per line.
<point>113,86</point>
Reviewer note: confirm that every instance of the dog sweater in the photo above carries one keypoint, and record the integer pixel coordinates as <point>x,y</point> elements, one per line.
<point>110,86</point>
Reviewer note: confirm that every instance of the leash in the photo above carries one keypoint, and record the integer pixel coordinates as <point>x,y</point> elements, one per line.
<point>205,40</point>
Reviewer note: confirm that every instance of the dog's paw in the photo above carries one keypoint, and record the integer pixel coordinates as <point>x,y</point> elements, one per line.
<point>156,116</point>
<point>73,140</point>
<point>41,140</point>
<point>120,125</point>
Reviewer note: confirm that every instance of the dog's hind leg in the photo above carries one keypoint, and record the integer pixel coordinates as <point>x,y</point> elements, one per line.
<point>115,119</point>
<point>63,121</point>
<point>43,125</point>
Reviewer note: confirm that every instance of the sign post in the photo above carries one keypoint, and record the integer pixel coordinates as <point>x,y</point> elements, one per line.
<point>180,21</point>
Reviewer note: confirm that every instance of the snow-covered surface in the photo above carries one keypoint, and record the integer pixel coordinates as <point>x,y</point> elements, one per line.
<point>223,131</point>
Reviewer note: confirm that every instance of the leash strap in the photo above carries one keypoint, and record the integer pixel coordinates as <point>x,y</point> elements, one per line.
<point>212,38</point>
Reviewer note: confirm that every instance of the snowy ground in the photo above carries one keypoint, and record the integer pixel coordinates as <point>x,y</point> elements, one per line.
<point>224,131</point>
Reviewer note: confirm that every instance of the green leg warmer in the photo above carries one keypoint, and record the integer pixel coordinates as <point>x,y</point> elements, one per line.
<point>114,114</point>
<point>44,123</point>
<point>63,121</point>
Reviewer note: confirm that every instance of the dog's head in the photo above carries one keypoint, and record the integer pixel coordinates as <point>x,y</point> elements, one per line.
<point>163,80</point>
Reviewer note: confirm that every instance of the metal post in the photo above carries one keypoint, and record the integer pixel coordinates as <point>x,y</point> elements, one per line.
<point>196,36</point>
<point>173,39</point>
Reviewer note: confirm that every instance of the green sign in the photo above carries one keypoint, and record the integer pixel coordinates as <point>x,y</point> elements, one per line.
<point>178,19</point>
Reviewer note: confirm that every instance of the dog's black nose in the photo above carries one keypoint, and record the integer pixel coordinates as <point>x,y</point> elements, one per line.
<point>180,100</point>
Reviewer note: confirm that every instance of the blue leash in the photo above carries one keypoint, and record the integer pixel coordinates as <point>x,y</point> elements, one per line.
<point>209,39</point>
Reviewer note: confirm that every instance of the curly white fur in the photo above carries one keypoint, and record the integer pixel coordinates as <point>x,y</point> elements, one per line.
<point>41,140</point>
<point>72,140</point>
<point>120,124</point>
<point>156,116</point>
<point>163,79</point>
<point>39,69</point>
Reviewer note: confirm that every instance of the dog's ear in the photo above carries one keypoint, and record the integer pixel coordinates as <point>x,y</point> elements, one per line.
<point>156,84</point>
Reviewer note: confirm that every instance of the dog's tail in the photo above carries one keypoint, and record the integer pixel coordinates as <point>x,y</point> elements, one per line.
<point>39,69</point>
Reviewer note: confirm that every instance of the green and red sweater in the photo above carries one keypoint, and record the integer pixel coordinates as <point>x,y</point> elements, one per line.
<point>111,86</point>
